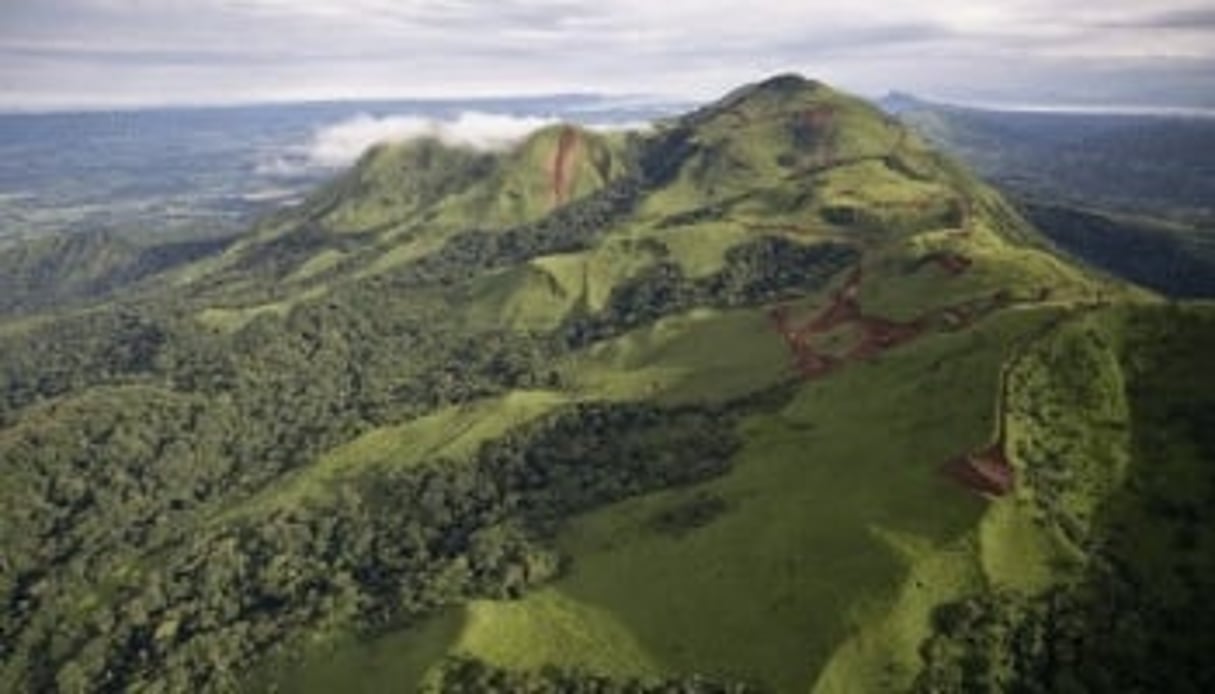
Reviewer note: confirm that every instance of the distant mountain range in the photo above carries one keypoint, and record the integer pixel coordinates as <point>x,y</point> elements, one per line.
<point>1132,163</point>
<point>1133,194</point>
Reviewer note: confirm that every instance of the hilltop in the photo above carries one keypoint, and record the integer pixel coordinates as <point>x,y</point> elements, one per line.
<point>770,397</point>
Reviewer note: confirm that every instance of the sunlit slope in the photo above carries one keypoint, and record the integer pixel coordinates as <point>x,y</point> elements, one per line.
<point>402,200</point>
<point>758,397</point>
<point>817,561</point>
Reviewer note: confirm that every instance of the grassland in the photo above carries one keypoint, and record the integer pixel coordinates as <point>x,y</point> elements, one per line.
<point>452,433</point>
<point>837,539</point>
<point>354,453</point>
<point>836,533</point>
<point>825,523</point>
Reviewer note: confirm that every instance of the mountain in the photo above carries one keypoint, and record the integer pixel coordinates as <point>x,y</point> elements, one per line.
<point>770,397</point>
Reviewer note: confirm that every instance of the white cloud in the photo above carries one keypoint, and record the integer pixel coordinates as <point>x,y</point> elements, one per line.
<point>341,143</point>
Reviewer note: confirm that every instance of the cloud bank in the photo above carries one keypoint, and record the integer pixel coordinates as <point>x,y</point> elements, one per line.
<point>341,143</point>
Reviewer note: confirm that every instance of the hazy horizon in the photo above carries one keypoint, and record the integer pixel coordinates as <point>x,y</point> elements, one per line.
<point>650,102</point>
<point>105,54</point>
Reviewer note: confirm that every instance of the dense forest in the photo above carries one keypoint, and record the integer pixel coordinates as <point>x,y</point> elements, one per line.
<point>152,425</point>
<point>1174,261</point>
<point>85,267</point>
<point>467,676</point>
<point>129,425</point>
<point>385,549</point>
<point>1138,616</point>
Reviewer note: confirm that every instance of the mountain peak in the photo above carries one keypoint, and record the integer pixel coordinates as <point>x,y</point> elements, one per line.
<point>897,102</point>
<point>787,82</point>
<point>780,89</point>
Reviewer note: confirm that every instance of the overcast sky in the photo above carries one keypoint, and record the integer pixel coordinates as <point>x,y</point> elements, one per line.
<point>60,53</point>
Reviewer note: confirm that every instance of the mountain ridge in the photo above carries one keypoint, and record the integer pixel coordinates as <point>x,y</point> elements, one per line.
<point>773,396</point>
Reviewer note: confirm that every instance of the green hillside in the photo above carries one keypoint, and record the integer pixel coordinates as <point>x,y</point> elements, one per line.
<point>770,397</point>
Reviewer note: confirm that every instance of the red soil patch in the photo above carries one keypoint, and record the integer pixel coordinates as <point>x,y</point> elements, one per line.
<point>567,143</point>
<point>821,119</point>
<point>808,362</point>
<point>877,334</point>
<point>882,334</point>
<point>843,309</point>
<point>985,472</point>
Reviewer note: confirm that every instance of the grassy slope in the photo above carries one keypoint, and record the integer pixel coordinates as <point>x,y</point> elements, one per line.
<point>538,294</point>
<point>518,190</point>
<point>451,433</point>
<point>841,533</point>
<point>403,200</point>
<point>827,521</point>
<point>703,355</point>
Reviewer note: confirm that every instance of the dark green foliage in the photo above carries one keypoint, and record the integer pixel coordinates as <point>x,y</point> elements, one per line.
<point>708,213</point>
<point>1154,164</point>
<point>282,255</point>
<point>665,154</point>
<point>386,548</point>
<point>762,271</point>
<point>104,346</point>
<point>85,267</point>
<point>689,515</point>
<point>102,480</point>
<point>1160,258</point>
<point>150,424</point>
<point>1140,618</point>
<point>469,676</point>
<point>572,227</point>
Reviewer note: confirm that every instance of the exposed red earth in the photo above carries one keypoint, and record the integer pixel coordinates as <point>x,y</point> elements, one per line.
<point>877,334</point>
<point>821,119</point>
<point>988,471</point>
<point>809,362</point>
<point>985,472</point>
<point>567,143</point>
